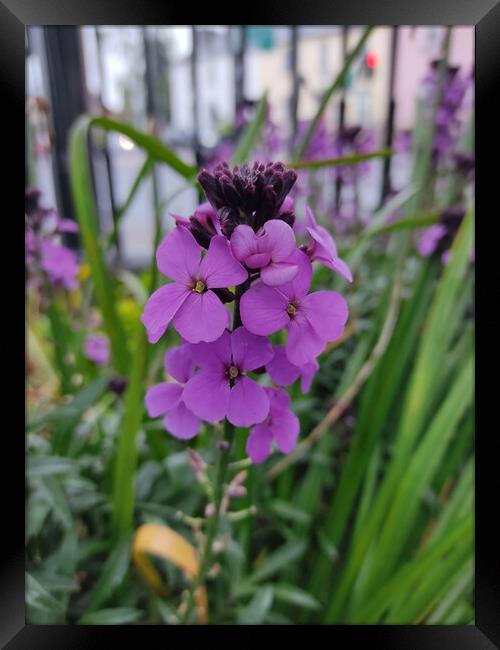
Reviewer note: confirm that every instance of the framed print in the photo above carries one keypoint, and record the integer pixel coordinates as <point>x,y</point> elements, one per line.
<point>250,259</point>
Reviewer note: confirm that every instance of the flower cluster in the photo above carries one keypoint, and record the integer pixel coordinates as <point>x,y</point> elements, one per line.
<point>241,248</point>
<point>438,238</point>
<point>43,249</point>
<point>448,119</point>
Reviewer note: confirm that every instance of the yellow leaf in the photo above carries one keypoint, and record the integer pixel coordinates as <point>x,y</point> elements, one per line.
<point>162,541</point>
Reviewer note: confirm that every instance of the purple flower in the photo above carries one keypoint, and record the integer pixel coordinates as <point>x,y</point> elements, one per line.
<point>203,224</point>
<point>430,239</point>
<point>60,264</point>
<point>311,320</point>
<point>167,398</point>
<point>322,248</point>
<point>96,348</point>
<point>281,427</point>
<point>284,373</point>
<point>267,250</point>
<point>66,225</point>
<point>195,310</point>
<point>222,388</point>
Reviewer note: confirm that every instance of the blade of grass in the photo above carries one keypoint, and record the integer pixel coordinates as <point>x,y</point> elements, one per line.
<point>250,135</point>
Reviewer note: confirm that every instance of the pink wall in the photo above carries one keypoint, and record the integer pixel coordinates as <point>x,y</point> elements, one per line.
<point>417,46</point>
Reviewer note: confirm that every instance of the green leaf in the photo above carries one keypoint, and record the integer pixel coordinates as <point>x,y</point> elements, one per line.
<point>295,596</point>
<point>250,135</point>
<point>112,574</point>
<point>289,511</point>
<point>279,559</point>
<point>255,612</point>
<point>346,160</point>
<point>114,616</point>
<point>48,466</point>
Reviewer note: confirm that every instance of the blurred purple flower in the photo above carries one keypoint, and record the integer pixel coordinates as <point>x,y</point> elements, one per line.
<point>284,373</point>
<point>60,264</point>
<point>322,248</point>
<point>96,348</point>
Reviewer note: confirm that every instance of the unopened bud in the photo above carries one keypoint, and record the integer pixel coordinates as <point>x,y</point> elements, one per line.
<point>209,510</point>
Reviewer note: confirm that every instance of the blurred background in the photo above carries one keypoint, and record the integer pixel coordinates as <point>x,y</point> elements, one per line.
<point>190,83</point>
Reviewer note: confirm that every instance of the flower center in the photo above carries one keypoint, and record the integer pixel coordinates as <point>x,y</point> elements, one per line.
<point>291,310</point>
<point>233,372</point>
<point>199,287</point>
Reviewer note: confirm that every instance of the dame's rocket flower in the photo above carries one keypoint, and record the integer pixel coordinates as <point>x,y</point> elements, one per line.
<point>167,398</point>
<point>267,250</point>
<point>189,302</point>
<point>284,373</point>
<point>222,387</point>
<point>281,427</point>
<point>96,348</point>
<point>312,319</point>
<point>322,248</point>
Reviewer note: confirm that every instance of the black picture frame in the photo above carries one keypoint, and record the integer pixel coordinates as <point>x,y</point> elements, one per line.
<point>485,16</point>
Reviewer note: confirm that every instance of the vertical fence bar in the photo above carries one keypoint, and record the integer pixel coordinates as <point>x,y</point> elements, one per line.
<point>194,89</point>
<point>68,101</point>
<point>338,179</point>
<point>239,68</point>
<point>391,108</point>
<point>294,99</point>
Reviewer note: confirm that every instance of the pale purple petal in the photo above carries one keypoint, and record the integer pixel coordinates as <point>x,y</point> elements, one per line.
<point>259,443</point>
<point>202,317</point>
<point>207,395</point>
<point>285,428</point>
<point>214,356</point>
<point>263,310</point>
<point>219,268</point>
<point>279,239</point>
<point>243,242</point>
<point>299,286</point>
<point>303,343</point>
<point>309,371</point>
<point>161,398</point>
<point>178,256</point>
<point>287,205</point>
<point>281,371</point>
<point>178,363</point>
<point>258,260</point>
<point>182,423</point>
<point>249,350</point>
<point>67,225</point>
<point>327,312</point>
<point>161,307</point>
<point>248,403</point>
<point>279,399</point>
<point>278,273</point>
<point>430,238</point>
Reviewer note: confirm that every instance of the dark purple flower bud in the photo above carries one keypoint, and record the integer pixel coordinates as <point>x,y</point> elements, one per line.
<point>31,200</point>
<point>118,385</point>
<point>464,163</point>
<point>247,195</point>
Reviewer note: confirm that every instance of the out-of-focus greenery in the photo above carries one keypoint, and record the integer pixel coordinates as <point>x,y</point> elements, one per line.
<point>370,521</point>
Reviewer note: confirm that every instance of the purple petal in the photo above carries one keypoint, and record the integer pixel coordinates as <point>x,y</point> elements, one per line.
<point>285,427</point>
<point>299,286</point>
<point>179,363</point>
<point>281,371</point>
<point>258,260</point>
<point>207,395</point>
<point>279,399</point>
<point>161,398</point>
<point>67,225</point>
<point>430,238</point>
<point>161,307</point>
<point>259,443</point>
<point>308,373</point>
<point>263,310</point>
<point>202,317</point>
<point>182,423</point>
<point>243,242</point>
<point>327,312</point>
<point>303,343</point>
<point>97,348</point>
<point>278,273</point>
<point>219,268</point>
<point>248,403</point>
<point>280,239</point>
<point>249,350</point>
<point>178,256</point>
<point>214,356</point>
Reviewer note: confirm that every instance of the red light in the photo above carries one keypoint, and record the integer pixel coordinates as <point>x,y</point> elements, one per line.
<point>372,60</point>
